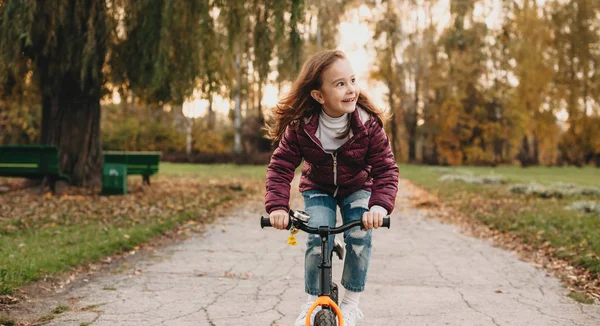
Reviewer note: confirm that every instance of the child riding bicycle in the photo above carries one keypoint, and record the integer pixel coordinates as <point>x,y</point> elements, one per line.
<point>348,162</point>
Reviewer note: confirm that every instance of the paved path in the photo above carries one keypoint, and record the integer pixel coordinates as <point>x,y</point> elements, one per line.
<point>422,273</point>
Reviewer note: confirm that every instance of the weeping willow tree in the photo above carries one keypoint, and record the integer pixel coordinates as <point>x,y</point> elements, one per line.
<point>67,44</point>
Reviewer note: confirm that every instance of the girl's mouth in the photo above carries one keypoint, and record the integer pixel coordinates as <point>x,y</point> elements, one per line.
<point>349,100</point>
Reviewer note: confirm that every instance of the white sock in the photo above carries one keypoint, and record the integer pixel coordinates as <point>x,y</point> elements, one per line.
<point>312,298</point>
<point>351,298</point>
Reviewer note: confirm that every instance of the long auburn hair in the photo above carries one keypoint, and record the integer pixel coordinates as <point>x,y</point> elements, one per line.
<point>298,103</point>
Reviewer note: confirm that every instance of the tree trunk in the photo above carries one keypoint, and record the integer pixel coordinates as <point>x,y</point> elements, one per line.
<point>412,140</point>
<point>412,128</point>
<point>523,155</point>
<point>535,159</point>
<point>319,36</point>
<point>211,112</point>
<point>188,138</point>
<point>237,140</point>
<point>393,122</point>
<point>71,97</point>
<point>71,121</point>
<point>261,116</point>
<point>435,159</point>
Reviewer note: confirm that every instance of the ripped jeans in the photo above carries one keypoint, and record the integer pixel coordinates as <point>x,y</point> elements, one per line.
<point>322,210</point>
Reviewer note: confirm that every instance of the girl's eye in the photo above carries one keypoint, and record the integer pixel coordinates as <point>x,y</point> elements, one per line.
<point>340,84</point>
<point>353,80</point>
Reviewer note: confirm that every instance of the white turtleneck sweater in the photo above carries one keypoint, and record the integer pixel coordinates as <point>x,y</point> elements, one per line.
<point>329,129</point>
<point>327,132</point>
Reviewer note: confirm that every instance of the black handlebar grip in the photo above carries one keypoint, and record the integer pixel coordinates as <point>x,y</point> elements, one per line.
<point>265,222</point>
<point>386,222</point>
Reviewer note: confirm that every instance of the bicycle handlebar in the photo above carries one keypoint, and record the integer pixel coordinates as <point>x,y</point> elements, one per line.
<point>266,222</point>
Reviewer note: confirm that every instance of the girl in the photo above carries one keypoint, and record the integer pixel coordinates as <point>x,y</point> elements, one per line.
<point>348,162</point>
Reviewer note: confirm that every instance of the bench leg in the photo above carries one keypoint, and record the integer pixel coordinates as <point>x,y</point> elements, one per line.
<point>43,185</point>
<point>48,181</point>
<point>52,181</point>
<point>146,179</point>
<point>59,187</point>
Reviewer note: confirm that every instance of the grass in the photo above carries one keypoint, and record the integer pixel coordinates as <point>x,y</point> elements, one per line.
<point>539,222</point>
<point>55,312</point>
<point>255,172</point>
<point>586,176</point>
<point>580,297</point>
<point>41,236</point>
<point>46,318</point>
<point>4,321</point>
<point>60,310</point>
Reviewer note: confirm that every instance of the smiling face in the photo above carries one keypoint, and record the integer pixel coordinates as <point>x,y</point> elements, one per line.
<point>339,92</point>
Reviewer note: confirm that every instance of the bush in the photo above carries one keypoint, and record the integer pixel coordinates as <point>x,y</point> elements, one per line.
<point>489,179</point>
<point>444,170</point>
<point>585,207</point>
<point>558,190</point>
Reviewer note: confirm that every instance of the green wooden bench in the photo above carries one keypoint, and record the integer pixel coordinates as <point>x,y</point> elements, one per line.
<point>138,163</point>
<point>32,161</point>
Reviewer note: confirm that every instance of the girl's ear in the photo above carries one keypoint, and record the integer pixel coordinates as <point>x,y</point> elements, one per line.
<point>316,94</point>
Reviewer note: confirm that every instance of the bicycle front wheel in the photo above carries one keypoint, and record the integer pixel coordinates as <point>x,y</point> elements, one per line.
<point>325,317</point>
<point>334,293</point>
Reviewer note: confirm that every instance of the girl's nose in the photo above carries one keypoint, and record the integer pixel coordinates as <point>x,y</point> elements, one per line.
<point>351,89</point>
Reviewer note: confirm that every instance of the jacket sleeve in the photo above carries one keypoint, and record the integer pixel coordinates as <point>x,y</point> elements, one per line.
<point>280,172</point>
<point>384,169</point>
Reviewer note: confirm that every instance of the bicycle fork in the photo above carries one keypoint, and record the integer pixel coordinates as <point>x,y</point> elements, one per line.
<point>325,279</point>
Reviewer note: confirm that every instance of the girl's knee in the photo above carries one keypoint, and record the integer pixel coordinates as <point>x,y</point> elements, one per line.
<point>313,245</point>
<point>358,236</point>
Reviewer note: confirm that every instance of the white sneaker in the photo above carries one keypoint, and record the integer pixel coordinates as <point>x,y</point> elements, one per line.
<point>351,315</point>
<point>301,320</point>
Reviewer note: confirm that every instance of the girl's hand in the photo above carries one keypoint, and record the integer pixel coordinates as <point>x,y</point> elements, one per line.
<point>372,220</point>
<point>279,219</point>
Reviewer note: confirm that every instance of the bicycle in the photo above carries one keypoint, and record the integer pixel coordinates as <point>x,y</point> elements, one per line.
<point>328,291</point>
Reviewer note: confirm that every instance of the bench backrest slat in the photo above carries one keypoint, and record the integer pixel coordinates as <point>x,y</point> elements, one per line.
<point>144,163</point>
<point>29,160</point>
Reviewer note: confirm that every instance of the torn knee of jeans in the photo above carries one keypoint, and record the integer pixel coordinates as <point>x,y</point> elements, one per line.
<point>358,249</point>
<point>362,203</point>
<point>358,234</point>
<point>314,240</point>
<point>317,195</point>
<point>316,251</point>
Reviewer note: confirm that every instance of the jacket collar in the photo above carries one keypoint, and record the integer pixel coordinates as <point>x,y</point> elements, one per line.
<point>311,123</point>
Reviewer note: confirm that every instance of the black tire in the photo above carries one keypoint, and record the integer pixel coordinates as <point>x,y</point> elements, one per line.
<point>325,317</point>
<point>334,293</point>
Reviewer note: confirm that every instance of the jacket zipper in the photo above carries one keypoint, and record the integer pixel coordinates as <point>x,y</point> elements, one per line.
<point>334,156</point>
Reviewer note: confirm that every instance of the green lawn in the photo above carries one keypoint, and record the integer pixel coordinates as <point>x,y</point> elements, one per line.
<point>44,235</point>
<point>214,170</point>
<point>537,221</point>
<point>587,176</point>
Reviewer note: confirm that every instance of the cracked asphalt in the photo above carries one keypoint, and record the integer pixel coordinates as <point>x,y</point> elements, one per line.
<point>422,273</point>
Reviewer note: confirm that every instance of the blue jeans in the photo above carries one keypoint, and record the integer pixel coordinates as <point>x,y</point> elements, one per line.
<point>322,210</point>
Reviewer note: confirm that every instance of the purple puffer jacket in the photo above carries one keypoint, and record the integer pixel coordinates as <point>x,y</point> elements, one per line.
<point>365,161</point>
